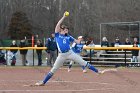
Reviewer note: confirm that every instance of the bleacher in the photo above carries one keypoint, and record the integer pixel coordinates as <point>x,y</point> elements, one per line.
<point>112,57</point>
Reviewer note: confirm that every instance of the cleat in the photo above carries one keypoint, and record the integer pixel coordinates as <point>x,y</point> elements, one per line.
<point>107,70</point>
<point>39,83</point>
<point>110,70</point>
<point>69,70</point>
<point>84,71</point>
<point>101,72</point>
<point>27,63</point>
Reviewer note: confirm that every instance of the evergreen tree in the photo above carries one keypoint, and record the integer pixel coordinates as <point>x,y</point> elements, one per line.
<point>19,26</point>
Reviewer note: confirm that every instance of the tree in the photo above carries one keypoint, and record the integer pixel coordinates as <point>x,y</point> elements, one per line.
<point>19,26</point>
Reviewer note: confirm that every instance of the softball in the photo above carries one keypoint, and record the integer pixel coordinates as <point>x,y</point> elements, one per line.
<point>66,13</point>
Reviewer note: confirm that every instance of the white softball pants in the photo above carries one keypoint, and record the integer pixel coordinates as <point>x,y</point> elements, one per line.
<point>62,57</point>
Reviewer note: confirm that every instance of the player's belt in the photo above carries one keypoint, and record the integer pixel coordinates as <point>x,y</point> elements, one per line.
<point>65,51</point>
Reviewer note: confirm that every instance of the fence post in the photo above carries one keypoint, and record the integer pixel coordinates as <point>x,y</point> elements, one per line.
<point>33,57</point>
<point>32,41</point>
<point>6,57</point>
<point>90,56</point>
<point>125,56</point>
<point>33,49</point>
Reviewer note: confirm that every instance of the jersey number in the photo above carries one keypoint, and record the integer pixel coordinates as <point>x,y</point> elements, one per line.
<point>64,41</point>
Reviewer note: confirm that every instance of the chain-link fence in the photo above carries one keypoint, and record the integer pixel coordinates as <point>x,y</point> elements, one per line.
<point>121,30</point>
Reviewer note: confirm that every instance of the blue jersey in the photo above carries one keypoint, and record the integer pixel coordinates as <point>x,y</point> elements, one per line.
<point>63,42</point>
<point>77,48</point>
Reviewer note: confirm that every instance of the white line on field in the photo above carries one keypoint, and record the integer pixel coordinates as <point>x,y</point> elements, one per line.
<point>101,89</point>
<point>58,81</point>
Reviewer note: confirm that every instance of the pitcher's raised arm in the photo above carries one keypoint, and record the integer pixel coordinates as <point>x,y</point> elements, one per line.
<point>57,28</point>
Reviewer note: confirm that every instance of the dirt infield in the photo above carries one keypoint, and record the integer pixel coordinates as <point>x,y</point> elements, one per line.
<point>17,79</point>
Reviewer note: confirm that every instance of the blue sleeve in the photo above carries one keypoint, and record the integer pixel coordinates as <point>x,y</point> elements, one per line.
<point>46,44</point>
<point>71,39</point>
<point>57,34</point>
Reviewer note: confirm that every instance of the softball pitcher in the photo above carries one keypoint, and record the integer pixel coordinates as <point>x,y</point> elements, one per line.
<point>63,43</point>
